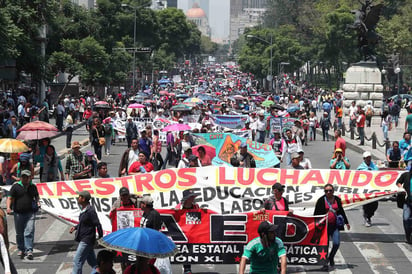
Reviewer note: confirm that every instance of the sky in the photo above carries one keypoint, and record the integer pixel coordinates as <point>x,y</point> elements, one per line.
<point>218,12</point>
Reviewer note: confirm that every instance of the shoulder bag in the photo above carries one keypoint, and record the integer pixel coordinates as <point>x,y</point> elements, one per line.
<point>102,140</point>
<point>340,221</point>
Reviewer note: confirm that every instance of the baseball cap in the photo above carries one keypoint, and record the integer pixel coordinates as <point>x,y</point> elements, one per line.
<point>26,172</point>
<point>188,193</point>
<point>278,186</point>
<point>338,150</point>
<point>123,191</point>
<point>266,227</point>
<point>85,194</point>
<point>295,155</point>
<point>367,154</point>
<point>148,200</point>
<point>300,150</point>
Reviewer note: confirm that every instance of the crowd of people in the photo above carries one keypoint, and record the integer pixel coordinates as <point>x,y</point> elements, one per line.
<point>308,109</point>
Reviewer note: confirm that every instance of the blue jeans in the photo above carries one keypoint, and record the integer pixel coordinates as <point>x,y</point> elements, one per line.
<point>361,132</point>
<point>84,252</point>
<point>24,224</point>
<point>312,133</point>
<point>261,137</point>
<point>334,233</point>
<point>385,132</point>
<point>407,221</point>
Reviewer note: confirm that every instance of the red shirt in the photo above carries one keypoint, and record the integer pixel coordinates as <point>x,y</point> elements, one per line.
<point>361,120</point>
<point>341,143</point>
<point>135,167</point>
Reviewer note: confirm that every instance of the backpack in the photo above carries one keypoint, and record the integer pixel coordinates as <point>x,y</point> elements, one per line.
<point>108,129</point>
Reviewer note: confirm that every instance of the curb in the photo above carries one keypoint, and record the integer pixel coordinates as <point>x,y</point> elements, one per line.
<point>62,133</point>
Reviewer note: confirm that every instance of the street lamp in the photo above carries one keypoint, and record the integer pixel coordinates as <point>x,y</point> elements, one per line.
<point>398,72</point>
<point>270,78</point>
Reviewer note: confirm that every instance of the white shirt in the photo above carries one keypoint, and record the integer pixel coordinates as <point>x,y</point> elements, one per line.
<point>261,125</point>
<point>133,157</point>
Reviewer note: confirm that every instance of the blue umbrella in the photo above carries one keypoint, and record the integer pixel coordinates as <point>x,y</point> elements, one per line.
<point>292,108</point>
<point>164,81</point>
<point>145,242</point>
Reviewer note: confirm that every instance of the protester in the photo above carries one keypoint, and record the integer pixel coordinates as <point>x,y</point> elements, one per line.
<point>104,263</point>
<point>141,166</point>
<point>332,205</point>
<point>394,155</point>
<point>405,147</point>
<point>339,161</point>
<point>203,157</point>
<point>23,199</point>
<point>76,167</point>
<point>5,259</point>
<point>170,148</point>
<point>91,163</point>
<point>108,135</point>
<point>295,164</point>
<point>130,156</point>
<point>40,151</point>
<point>12,128</point>
<point>370,208</point>
<point>264,252</point>
<point>141,266</point>
<point>242,158</point>
<point>386,124</point>
<point>69,124</point>
<point>360,124</point>
<point>290,144</point>
<point>102,170</point>
<point>144,143</point>
<point>151,217</point>
<point>131,131</point>
<point>98,134</point>
<point>325,124</point>
<point>156,150</point>
<point>339,141</point>
<point>313,122</point>
<point>277,201</point>
<point>304,162</point>
<point>60,113</point>
<point>86,233</point>
<point>52,166</point>
<point>23,164</point>
<point>184,143</point>
<point>125,200</point>
<point>404,182</point>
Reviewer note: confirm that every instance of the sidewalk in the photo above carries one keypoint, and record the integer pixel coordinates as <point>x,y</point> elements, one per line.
<point>396,134</point>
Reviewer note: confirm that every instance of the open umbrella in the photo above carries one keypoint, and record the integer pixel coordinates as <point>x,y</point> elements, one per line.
<point>37,126</point>
<point>136,106</point>
<point>292,108</point>
<point>176,127</point>
<point>163,92</point>
<point>101,103</point>
<point>210,151</point>
<point>182,95</point>
<point>267,103</point>
<point>181,107</point>
<point>145,242</point>
<point>194,100</point>
<point>36,135</point>
<point>239,97</point>
<point>9,145</point>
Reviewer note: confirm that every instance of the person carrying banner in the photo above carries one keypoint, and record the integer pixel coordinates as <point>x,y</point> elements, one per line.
<point>370,208</point>
<point>332,205</point>
<point>406,182</point>
<point>86,233</point>
<point>304,162</point>
<point>24,200</point>
<point>295,164</point>
<point>264,252</point>
<point>187,202</point>
<point>277,201</point>
<point>130,156</point>
<point>141,166</point>
<point>151,217</point>
<point>242,158</point>
<point>102,170</point>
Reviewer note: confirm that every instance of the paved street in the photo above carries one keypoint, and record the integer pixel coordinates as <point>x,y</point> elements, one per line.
<point>378,249</point>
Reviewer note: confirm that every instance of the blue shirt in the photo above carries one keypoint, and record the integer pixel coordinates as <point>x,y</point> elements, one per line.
<point>144,145</point>
<point>403,146</point>
<point>364,166</point>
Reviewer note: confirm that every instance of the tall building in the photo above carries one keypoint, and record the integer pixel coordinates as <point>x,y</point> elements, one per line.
<point>245,14</point>
<point>89,4</point>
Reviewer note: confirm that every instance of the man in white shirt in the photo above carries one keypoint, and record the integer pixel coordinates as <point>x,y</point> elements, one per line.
<point>261,128</point>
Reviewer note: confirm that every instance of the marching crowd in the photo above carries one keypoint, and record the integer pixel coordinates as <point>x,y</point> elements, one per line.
<point>308,109</point>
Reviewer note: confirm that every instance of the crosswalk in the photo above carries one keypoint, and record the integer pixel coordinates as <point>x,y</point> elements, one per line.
<point>378,249</point>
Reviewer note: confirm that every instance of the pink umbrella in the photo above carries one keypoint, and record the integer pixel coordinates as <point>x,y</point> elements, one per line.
<point>176,127</point>
<point>136,106</point>
<point>101,103</point>
<point>163,92</point>
<point>38,126</point>
<point>210,151</point>
<point>36,135</point>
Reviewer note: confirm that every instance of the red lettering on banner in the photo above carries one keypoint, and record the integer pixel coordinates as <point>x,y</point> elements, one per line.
<point>45,187</point>
<point>187,176</point>
<point>368,196</point>
<point>104,186</point>
<point>357,181</point>
<point>62,187</point>
<point>381,181</point>
<point>83,185</point>
<point>241,176</point>
<point>172,178</point>
<point>346,197</point>
<point>124,180</point>
<point>264,171</point>
<point>143,180</point>
<point>294,177</point>
<point>356,197</point>
<point>335,177</point>
<point>222,177</point>
<point>313,176</point>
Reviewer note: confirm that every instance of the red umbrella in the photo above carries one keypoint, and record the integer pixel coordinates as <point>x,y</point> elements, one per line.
<point>176,127</point>
<point>36,135</point>
<point>210,151</point>
<point>38,126</point>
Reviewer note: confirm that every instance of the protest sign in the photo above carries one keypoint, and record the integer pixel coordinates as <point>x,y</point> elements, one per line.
<point>228,144</point>
<point>203,236</point>
<point>229,121</point>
